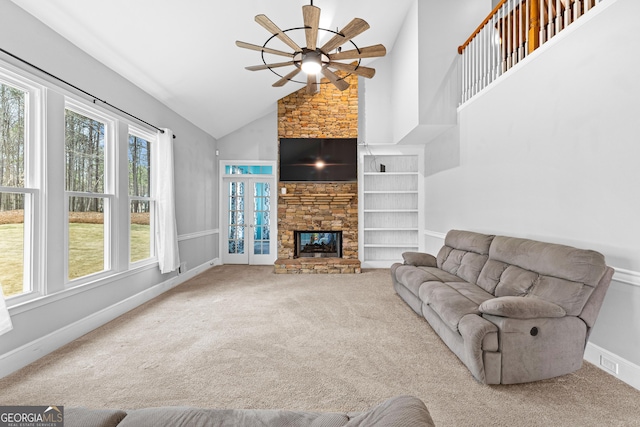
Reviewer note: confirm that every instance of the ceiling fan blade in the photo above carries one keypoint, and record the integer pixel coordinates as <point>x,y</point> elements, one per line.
<point>311,15</point>
<point>365,52</point>
<point>262,49</point>
<point>267,66</point>
<point>312,84</point>
<point>286,78</point>
<point>276,31</point>
<point>352,29</point>
<point>358,70</point>
<point>333,78</point>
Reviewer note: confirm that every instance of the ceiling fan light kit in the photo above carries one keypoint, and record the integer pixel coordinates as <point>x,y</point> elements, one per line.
<point>311,62</point>
<point>314,60</point>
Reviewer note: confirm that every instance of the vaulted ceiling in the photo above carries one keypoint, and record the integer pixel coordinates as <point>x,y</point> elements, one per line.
<point>184,54</point>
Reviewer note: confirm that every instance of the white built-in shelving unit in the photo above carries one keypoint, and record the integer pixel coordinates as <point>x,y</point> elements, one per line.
<point>390,208</point>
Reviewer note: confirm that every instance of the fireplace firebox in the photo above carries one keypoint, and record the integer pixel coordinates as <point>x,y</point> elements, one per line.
<point>318,244</point>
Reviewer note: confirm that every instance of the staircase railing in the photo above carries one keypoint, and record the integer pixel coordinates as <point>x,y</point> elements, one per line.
<point>513,30</point>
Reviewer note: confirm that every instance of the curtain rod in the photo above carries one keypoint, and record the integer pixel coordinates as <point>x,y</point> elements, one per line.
<point>95,98</point>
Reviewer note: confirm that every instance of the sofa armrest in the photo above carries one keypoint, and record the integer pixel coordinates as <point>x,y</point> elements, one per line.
<point>419,259</point>
<point>521,308</point>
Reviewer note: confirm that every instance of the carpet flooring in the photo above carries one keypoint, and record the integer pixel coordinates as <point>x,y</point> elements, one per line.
<point>244,337</point>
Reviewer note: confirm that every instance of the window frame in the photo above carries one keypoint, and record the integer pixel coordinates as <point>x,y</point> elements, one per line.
<point>46,227</point>
<point>109,196</point>
<point>152,140</point>
<point>33,246</point>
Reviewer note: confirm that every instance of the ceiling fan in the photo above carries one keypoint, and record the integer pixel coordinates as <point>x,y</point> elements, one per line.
<point>314,60</point>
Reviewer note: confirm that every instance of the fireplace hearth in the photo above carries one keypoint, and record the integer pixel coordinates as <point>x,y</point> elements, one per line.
<point>318,244</point>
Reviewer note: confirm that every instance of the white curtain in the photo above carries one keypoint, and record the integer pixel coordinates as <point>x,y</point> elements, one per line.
<point>5,320</point>
<point>166,230</point>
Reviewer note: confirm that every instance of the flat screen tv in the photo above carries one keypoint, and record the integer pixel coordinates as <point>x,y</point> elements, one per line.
<point>318,159</point>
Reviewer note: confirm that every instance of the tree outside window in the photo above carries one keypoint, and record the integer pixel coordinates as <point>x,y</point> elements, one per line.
<point>141,242</point>
<point>88,243</point>
<point>14,196</point>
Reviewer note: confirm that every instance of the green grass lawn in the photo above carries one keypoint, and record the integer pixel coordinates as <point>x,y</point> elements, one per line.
<point>140,238</point>
<point>86,251</point>
<point>11,266</point>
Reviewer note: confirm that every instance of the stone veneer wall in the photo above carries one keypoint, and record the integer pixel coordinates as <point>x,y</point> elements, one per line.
<point>330,113</point>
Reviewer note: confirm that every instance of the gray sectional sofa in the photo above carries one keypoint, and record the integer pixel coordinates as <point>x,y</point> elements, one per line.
<point>399,411</point>
<point>513,310</point>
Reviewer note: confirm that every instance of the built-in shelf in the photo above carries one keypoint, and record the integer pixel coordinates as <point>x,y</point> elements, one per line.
<point>390,208</point>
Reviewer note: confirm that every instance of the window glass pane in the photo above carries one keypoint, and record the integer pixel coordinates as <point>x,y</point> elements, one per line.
<point>140,236</point>
<point>12,243</point>
<point>12,121</point>
<point>84,153</point>
<point>86,236</point>
<point>251,170</point>
<point>139,167</point>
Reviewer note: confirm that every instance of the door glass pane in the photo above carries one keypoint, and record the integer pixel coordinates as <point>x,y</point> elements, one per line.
<point>236,218</point>
<point>12,243</point>
<point>261,240</point>
<point>86,236</point>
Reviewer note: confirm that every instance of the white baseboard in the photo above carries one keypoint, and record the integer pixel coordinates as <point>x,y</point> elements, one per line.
<point>19,358</point>
<point>620,368</point>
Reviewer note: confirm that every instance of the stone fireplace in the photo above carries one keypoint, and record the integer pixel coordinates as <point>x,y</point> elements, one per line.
<point>318,207</point>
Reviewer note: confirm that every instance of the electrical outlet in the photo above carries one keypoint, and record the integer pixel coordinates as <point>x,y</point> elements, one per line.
<point>183,268</point>
<point>609,365</point>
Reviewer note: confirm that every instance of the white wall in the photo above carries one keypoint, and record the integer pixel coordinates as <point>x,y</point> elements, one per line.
<point>550,152</point>
<point>40,326</point>
<point>415,93</point>
<point>257,140</point>
<point>444,25</point>
<point>405,105</point>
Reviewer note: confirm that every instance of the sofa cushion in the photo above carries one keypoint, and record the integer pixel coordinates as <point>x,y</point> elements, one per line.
<point>471,291</point>
<point>515,281</point>
<point>413,277</point>
<point>549,259</point>
<point>490,275</point>
<point>448,303</point>
<point>521,308</point>
<point>469,241</point>
<point>464,254</point>
<point>555,273</point>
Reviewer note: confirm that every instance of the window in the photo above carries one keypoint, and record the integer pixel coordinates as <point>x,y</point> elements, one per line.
<point>141,205</point>
<point>248,170</point>
<point>89,191</point>
<point>81,201</point>
<point>18,184</point>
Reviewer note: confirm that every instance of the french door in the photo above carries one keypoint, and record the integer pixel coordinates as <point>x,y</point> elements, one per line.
<point>249,203</point>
